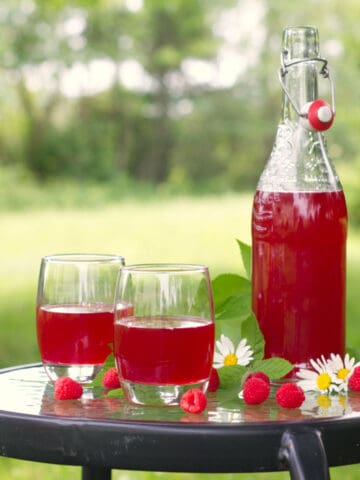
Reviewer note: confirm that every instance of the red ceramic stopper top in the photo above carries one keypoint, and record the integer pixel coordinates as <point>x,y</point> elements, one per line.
<point>320,115</point>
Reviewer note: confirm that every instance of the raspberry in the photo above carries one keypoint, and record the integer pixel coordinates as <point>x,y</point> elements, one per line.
<point>261,375</point>
<point>111,378</point>
<point>290,395</point>
<point>193,401</point>
<point>255,391</point>
<point>354,380</point>
<point>67,389</point>
<point>214,381</point>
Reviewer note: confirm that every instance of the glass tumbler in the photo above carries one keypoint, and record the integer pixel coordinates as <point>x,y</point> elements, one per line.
<point>164,331</point>
<point>75,313</point>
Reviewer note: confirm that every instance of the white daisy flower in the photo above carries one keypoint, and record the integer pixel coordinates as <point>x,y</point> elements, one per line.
<point>320,378</point>
<point>342,369</point>
<point>227,355</point>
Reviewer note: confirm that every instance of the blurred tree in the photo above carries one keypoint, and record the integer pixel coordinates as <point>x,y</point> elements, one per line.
<point>60,34</point>
<point>171,32</point>
<point>150,119</point>
<point>157,38</point>
<point>35,43</point>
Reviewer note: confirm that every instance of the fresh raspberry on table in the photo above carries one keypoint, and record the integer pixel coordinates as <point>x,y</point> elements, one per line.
<point>255,391</point>
<point>193,401</point>
<point>290,395</point>
<point>214,381</point>
<point>67,389</point>
<point>111,378</point>
<point>354,380</point>
<point>261,375</point>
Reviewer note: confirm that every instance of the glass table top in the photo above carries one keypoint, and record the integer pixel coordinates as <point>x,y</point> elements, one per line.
<point>27,390</point>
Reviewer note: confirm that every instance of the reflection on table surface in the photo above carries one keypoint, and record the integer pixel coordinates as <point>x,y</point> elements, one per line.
<point>28,391</point>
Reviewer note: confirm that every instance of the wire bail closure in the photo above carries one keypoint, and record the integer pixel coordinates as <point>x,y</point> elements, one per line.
<point>317,115</point>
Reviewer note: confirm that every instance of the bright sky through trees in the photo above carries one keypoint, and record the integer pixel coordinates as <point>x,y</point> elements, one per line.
<point>240,31</point>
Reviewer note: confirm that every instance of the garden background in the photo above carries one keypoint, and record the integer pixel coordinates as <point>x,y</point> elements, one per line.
<point>140,127</point>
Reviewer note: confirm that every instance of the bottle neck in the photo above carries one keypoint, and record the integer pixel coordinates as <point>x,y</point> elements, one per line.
<point>300,45</point>
<point>301,81</point>
<point>298,161</point>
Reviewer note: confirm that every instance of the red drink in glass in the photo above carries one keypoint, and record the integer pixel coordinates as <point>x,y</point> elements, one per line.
<point>75,334</point>
<point>165,345</point>
<point>299,242</point>
<point>164,350</point>
<point>75,313</point>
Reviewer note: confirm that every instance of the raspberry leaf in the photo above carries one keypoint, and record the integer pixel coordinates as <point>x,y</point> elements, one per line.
<point>274,367</point>
<point>232,300</point>
<point>235,306</point>
<point>230,376</point>
<point>245,252</point>
<point>115,393</point>
<point>228,398</point>
<point>251,331</point>
<point>228,284</point>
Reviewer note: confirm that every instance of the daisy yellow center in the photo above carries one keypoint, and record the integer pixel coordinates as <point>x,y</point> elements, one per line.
<point>323,401</point>
<point>343,373</point>
<point>230,359</point>
<point>323,381</point>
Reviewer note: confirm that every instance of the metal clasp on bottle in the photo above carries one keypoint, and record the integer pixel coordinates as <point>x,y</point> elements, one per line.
<point>317,115</point>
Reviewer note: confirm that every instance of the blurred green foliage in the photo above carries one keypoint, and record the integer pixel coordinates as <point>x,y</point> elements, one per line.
<point>167,129</point>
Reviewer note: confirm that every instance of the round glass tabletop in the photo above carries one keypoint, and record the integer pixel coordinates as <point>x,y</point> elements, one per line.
<point>102,430</point>
<point>27,390</point>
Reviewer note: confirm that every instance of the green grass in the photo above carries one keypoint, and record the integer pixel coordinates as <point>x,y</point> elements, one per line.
<point>175,230</point>
<point>20,470</point>
<point>201,230</point>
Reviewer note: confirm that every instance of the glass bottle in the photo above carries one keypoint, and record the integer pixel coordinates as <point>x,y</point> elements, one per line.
<point>299,221</point>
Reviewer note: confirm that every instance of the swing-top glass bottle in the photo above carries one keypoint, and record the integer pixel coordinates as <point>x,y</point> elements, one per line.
<point>299,223</point>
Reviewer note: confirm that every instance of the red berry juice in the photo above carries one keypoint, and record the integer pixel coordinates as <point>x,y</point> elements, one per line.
<point>299,242</point>
<point>75,334</point>
<point>163,350</point>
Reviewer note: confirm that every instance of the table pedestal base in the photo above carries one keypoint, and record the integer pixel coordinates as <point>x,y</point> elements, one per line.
<point>304,455</point>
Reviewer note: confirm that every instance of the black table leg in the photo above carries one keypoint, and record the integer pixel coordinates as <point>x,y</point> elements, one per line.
<point>304,454</point>
<point>96,473</point>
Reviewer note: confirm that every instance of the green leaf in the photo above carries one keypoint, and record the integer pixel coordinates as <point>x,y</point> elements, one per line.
<point>251,331</point>
<point>245,252</point>
<point>230,315</point>
<point>230,376</point>
<point>228,284</point>
<point>230,328</point>
<point>236,306</point>
<point>229,398</point>
<point>275,367</point>
<point>114,393</point>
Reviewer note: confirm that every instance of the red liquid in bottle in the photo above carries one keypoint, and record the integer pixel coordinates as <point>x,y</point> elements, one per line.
<point>179,352</point>
<point>299,242</point>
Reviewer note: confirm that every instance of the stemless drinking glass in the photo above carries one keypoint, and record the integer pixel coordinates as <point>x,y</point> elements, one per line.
<point>164,331</point>
<point>75,313</point>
